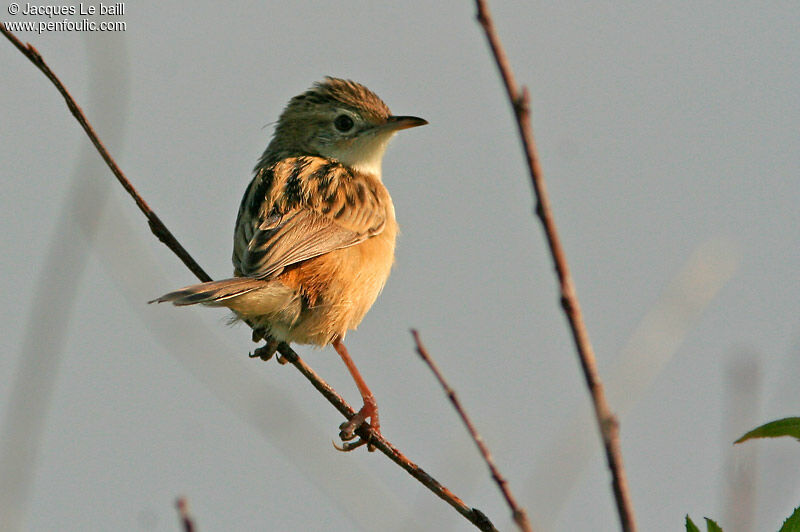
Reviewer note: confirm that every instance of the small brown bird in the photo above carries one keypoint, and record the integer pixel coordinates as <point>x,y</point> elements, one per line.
<point>315,235</point>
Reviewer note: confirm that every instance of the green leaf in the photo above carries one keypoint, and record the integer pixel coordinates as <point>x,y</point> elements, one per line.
<point>789,426</point>
<point>711,526</point>
<point>690,526</point>
<point>793,523</point>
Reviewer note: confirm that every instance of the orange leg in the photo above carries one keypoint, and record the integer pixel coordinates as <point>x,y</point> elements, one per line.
<point>370,408</point>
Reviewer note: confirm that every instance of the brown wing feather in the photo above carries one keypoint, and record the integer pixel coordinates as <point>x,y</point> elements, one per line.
<point>312,207</point>
<point>304,235</point>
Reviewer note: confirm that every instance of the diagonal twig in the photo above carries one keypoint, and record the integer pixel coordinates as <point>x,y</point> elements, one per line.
<point>158,228</point>
<point>517,512</point>
<point>606,421</point>
<point>156,225</point>
<point>365,432</point>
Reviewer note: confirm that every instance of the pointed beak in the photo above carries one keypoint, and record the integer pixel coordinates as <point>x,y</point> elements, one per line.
<point>396,123</point>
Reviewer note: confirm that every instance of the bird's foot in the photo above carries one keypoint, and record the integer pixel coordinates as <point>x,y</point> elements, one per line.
<point>266,351</point>
<point>349,427</point>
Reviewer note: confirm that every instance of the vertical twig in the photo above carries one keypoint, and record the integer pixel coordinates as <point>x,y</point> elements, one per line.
<point>517,512</point>
<point>606,421</point>
<point>183,512</point>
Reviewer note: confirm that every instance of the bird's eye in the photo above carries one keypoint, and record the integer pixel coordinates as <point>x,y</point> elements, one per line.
<point>343,123</point>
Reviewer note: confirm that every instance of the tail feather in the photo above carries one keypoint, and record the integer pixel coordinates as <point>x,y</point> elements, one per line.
<point>211,293</point>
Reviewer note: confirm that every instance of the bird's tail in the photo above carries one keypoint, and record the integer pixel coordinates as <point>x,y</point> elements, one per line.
<point>213,293</point>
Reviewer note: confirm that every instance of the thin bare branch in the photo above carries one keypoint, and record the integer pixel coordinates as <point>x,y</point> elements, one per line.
<point>517,512</point>
<point>365,432</point>
<point>606,421</point>
<point>156,225</point>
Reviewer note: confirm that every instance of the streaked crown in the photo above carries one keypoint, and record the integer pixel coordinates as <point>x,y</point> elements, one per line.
<point>340,94</point>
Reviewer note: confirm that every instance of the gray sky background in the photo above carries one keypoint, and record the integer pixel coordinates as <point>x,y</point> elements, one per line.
<point>669,139</point>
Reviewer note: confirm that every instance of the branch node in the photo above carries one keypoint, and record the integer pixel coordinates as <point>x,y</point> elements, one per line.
<point>482,522</point>
<point>520,102</point>
<point>566,304</point>
<point>610,426</point>
<point>538,210</point>
<point>157,231</point>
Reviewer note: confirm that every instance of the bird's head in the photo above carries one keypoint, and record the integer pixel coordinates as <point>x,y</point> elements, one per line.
<point>338,119</point>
